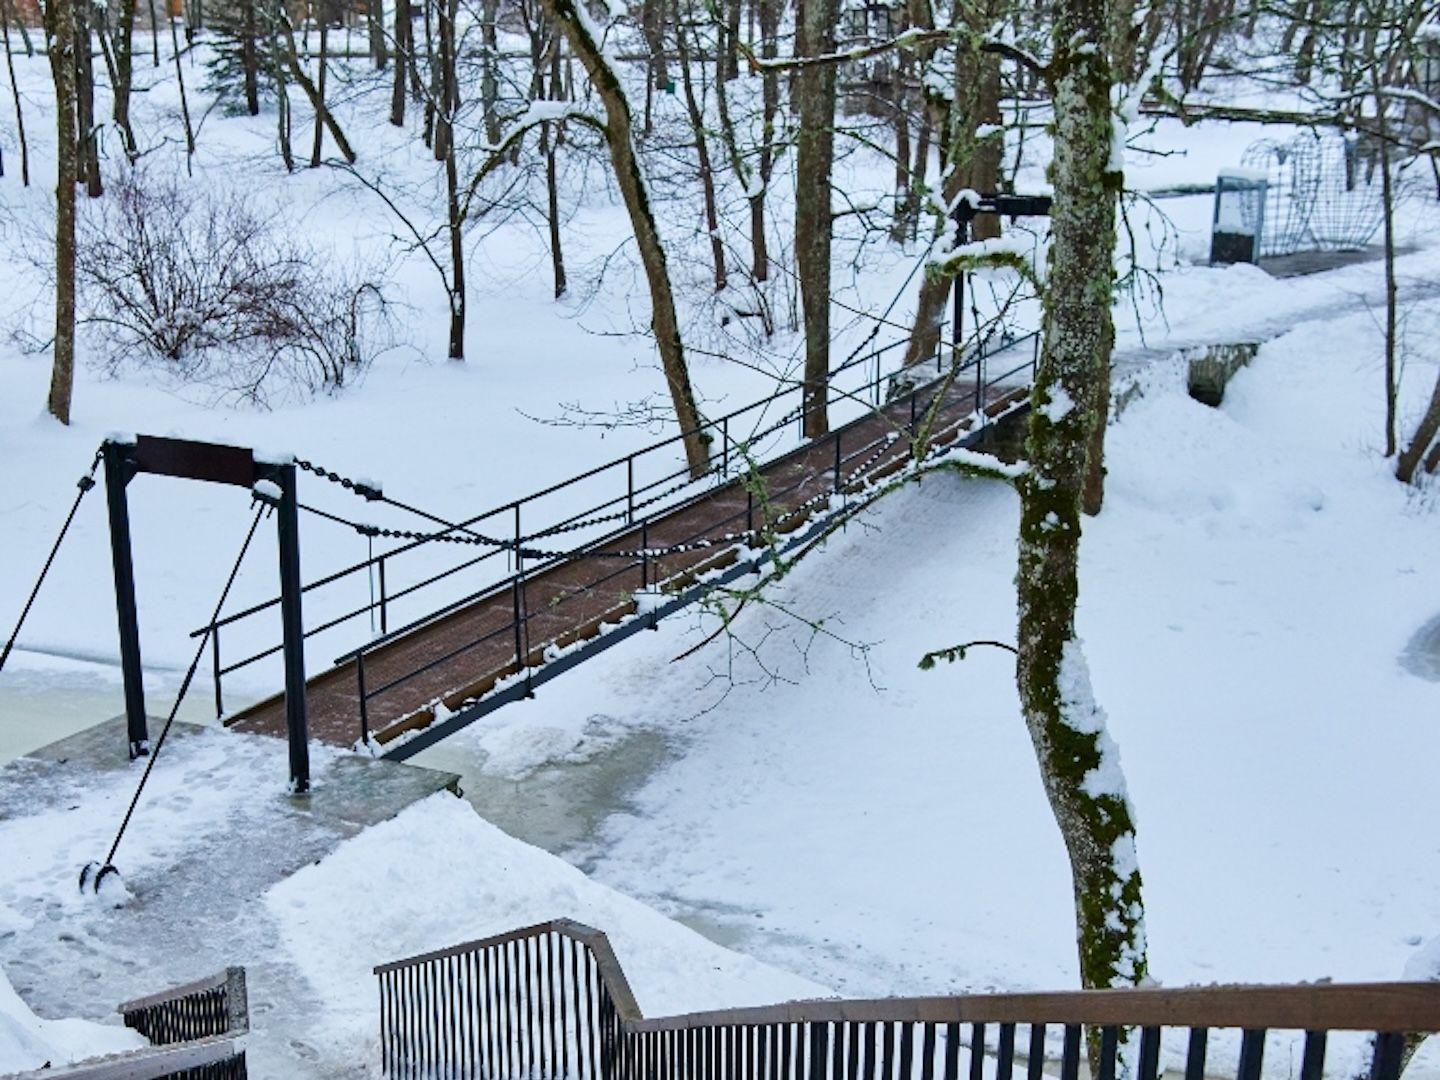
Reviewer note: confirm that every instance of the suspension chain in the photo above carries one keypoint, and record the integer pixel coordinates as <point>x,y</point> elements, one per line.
<point>743,536</point>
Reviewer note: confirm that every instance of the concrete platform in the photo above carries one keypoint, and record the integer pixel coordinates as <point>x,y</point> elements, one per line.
<point>204,847</point>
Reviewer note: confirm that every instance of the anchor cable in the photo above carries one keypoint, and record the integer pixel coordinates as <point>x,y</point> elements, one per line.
<point>184,687</point>
<point>85,483</point>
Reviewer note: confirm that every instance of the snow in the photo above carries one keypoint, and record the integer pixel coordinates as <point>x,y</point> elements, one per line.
<point>1234,172</point>
<point>267,491</point>
<point>845,821</point>
<point>28,1042</point>
<point>1060,405</point>
<point>360,907</point>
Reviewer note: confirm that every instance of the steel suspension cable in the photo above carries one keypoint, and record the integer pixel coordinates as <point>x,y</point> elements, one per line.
<point>108,865</point>
<point>85,483</point>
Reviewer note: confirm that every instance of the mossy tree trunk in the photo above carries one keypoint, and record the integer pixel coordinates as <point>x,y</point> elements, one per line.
<point>619,136</point>
<point>1079,763</point>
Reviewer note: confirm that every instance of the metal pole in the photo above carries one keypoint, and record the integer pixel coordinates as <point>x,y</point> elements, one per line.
<point>118,470</point>
<point>384,622</point>
<point>215,662</point>
<point>364,696</point>
<point>957,292</point>
<point>296,724</point>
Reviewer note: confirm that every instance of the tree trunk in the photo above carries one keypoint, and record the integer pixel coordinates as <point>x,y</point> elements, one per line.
<point>727,63</point>
<point>60,42</point>
<point>15,95</point>
<point>317,100</point>
<point>490,59</point>
<point>1425,433</point>
<point>184,100</point>
<point>375,24</point>
<point>318,144</point>
<point>404,60</point>
<point>277,75</point>
<point>899,105</point>
<point>620,139</point>
<point>249,57</point>
<point>88,160</point>
<point>123,80</point>
<point>985,165</point>
<point>702,149</point>
<point>1079,764</point>
<point>552,205</point>
<point>770,108</point>
<point>814,158</point>
<point>456,221</point>
<point>754,192</point>
<point>959,150</point>
<point>549,140</point>
<point>1387,200</point>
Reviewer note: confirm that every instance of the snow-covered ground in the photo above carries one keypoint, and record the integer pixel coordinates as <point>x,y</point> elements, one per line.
<point>843,818</point>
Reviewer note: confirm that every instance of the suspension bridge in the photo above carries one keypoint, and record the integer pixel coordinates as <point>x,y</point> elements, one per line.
<point>563,574</point>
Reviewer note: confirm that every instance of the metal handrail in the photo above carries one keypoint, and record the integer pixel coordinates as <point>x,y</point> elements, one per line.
<point>509,507</point>
<point>367,693</point>
<point>490,1006</point>
<point>972,357</point>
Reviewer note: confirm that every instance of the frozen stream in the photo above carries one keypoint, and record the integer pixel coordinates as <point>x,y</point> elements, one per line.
<point>45,698</point>
<point>558,806</point>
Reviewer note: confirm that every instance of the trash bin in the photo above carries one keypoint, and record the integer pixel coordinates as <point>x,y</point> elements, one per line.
<point>1239,221</point>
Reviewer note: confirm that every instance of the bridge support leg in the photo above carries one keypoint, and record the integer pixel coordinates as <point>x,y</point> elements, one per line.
<point>119,468</point>
<point>296,722</point>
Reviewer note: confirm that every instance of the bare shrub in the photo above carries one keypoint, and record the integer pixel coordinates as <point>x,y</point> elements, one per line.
<point>208,292</point>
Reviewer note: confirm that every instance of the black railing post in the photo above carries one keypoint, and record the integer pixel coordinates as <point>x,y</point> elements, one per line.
<point>837,459</point>
<point>725,445</point>
<point>384,622</point>
<point>630,490</point>
<point>364,698</point>
<point>980,379</point>
<point>119,468</point>
<point>645,554</point>
<point>515,609</point>
<point>215,668</point>
<point>288,526</point>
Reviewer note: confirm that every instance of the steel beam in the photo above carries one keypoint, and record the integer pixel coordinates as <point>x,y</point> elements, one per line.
<point>119,468</point>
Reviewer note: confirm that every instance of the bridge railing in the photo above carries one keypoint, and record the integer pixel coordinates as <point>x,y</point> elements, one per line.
<point>635,490</point>
<point>551,1002</point>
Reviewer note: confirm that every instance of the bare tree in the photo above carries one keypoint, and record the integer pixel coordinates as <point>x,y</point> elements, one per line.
<point>619,137</point>
<point>60,46</point>
<point>15,95</point>
<point>814,101</point>
<point>694,109</point>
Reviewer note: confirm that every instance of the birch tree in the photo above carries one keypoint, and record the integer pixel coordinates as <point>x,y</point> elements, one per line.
<point>1079,763</point>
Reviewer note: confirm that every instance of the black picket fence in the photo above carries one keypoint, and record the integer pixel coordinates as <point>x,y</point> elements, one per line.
<point>550,1002</point>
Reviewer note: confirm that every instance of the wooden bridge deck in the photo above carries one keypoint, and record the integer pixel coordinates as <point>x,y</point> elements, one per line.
<point>461,656</point>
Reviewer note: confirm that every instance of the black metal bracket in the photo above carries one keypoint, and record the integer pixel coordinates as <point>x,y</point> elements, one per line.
<point>996,202</point>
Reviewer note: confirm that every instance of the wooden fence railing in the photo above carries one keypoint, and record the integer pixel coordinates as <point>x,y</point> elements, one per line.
<point>193,1031</point>
<point>550,1002</point>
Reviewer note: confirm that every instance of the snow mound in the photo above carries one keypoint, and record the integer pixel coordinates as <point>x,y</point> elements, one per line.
<point>438,875</point>
<point>28,1042</point>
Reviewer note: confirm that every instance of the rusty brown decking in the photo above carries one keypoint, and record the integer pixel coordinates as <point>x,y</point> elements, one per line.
<point>476,646</point>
